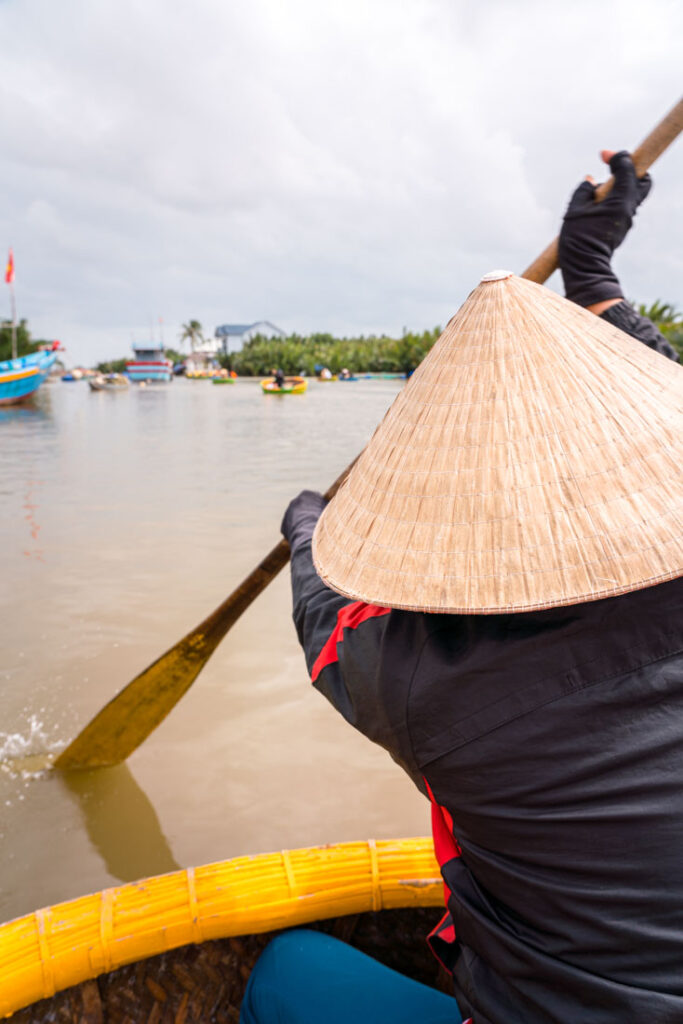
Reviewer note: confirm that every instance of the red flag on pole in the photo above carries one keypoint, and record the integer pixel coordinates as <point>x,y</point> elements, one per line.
<point>9,270</point>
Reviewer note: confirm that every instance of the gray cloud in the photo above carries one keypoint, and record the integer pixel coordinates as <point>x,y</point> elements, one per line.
<point>342,166</point>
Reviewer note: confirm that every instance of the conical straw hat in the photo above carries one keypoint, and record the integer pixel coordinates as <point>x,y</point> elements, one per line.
<point>532,460</point>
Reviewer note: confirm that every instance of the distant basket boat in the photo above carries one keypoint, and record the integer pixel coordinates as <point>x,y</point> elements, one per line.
<point>21,377</point>
<point>192,937</point>
<point>292,386</point>
<point>150,364</point>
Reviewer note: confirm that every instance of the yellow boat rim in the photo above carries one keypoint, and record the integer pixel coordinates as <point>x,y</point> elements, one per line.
<point>293,386</point>
<point>52,949</point>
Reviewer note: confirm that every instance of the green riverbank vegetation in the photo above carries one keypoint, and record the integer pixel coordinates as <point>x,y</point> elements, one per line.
<point>301,354</point>
<point>667,319</point>
<point>25,343</point>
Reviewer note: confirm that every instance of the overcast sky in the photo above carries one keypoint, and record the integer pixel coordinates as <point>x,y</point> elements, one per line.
<point>335,165</point>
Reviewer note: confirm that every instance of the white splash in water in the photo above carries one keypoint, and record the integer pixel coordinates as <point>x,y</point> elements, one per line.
<point>26,753</point>
<point>17,744</point>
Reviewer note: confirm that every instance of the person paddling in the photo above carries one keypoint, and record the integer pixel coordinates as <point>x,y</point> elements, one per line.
<point>590,233</point>
<point>495,595</point>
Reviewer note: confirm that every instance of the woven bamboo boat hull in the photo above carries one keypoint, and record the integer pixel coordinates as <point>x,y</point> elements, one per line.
<point>180,947</point>
<point>205,983</point>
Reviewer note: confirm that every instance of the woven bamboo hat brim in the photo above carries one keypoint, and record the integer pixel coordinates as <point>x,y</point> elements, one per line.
<point>532,460</point>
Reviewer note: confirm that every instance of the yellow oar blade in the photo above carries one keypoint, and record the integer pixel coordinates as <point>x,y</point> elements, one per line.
<point>128,719</point>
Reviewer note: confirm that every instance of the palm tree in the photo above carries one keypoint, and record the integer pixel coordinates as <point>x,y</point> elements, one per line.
<point>667,319</point>
<point>661,313</point>
<point>191,331</point>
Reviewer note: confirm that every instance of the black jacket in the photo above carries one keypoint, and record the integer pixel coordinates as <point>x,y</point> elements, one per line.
<point>592,231</point>
<point>551,746</point>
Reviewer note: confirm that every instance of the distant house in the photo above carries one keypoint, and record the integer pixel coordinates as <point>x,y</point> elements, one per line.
<point>232,337</point>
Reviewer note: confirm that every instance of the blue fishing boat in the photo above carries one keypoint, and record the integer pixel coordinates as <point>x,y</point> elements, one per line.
<point>22,376</point>
<point>150,364</point>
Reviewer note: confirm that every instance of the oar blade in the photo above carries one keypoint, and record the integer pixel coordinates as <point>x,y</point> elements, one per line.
<point>129,717</point>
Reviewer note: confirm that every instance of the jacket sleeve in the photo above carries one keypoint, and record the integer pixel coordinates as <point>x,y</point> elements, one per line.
<point>357,654</point>
<point>315,606</point>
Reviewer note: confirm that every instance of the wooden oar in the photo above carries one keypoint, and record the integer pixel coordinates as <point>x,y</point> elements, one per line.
<point>128,719</point>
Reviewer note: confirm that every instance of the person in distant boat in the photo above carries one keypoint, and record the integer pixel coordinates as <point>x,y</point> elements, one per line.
<point>590,234</point>
<point>279,378</point>
<point>325,373</point>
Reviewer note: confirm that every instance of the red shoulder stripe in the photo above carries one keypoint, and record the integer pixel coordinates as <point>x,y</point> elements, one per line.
<point>348,617</point>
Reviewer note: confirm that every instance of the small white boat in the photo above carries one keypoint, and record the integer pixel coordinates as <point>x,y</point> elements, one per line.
<point>108,382</point>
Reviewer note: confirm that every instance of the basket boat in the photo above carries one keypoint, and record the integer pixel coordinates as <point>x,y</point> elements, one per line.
<point>293,386</point>
<point>180,947</point>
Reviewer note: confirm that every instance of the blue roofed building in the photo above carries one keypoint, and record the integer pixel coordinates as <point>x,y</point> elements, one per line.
<point>231,337</point>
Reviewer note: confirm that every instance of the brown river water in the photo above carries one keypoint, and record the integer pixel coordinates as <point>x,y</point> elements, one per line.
<point>124,520</point>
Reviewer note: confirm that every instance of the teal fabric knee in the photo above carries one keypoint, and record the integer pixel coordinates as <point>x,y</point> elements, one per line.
<point>306,977</point>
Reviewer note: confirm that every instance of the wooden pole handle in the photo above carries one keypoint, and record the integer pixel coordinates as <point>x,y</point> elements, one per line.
<point>668,129</point>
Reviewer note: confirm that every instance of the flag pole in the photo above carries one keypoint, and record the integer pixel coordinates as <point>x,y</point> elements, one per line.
<point>9,279</point>
<point>14,320</point>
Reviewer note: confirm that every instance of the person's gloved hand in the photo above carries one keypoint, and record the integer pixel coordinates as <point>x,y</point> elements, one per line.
<point>627,186</point>
<point>591,231</point>
<point>301,517</point>
<point>612,217</point>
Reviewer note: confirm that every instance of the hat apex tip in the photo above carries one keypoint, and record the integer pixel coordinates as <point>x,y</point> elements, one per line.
<point>496,275</point>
